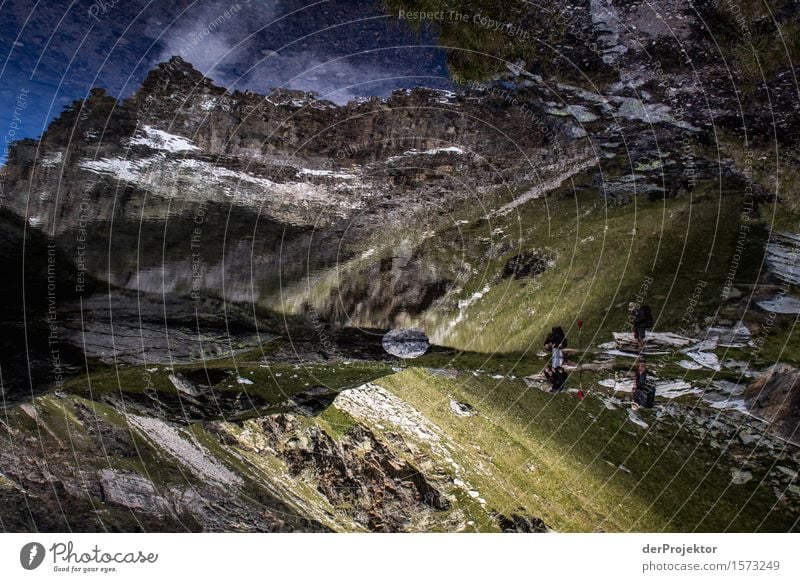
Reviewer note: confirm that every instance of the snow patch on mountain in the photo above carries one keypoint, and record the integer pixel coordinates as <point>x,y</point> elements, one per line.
<point>191,178</point>
<point>157,139</point>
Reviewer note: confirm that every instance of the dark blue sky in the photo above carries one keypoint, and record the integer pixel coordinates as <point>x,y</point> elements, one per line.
<point>53,51</point>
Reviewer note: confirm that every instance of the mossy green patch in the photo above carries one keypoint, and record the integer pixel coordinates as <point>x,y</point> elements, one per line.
<point>335,422</point>
<point>264,384</point>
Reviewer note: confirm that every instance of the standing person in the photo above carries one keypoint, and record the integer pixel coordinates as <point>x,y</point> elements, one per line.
<point>643,394</point>
<point>555,339</point>
<point>638,320</point>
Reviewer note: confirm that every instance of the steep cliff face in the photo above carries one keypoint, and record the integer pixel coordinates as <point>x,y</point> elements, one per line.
<point>287,156</point>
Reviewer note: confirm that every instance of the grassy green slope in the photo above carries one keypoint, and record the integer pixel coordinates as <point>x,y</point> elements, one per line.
<point>582,467</point>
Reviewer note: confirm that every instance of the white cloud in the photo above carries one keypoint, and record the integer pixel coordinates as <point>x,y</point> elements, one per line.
<point>232,51</point>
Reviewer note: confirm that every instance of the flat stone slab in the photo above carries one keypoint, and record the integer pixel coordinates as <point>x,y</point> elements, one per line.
<point>656,338</point>
<point>781,303</point>
<point>706,359</point>
<point>690,365</point>
<point>625,354</point>
<point>736,336</point>
<point>782,256</point>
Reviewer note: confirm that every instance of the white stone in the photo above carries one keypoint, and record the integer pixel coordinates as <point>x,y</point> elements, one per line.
<point>706,359</point>
<point>740,477</point>
<point>781,303</point>
<point>635,419</point>
<point>690,365</point>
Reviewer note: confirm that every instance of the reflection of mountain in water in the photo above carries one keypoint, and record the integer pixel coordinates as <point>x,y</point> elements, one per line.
<point>384,293</point>
<point>185,190</point>
<point>205,250</point>
<point>35,286</point>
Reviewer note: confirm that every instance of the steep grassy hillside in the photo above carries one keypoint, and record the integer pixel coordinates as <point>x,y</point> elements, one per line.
<point>583,467</point>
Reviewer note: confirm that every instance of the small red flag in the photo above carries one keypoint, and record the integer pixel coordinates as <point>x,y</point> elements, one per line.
<point>580,323</point>
<point>580,394</point>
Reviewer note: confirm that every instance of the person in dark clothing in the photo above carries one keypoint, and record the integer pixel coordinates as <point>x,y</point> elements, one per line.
<point>559,379</point>
<point>549,372</point>
<point>638,320</point>
<point>643,394</point>
<point>555,339</point>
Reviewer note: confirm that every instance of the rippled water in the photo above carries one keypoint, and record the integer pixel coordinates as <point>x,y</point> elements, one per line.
<point>204,282</point>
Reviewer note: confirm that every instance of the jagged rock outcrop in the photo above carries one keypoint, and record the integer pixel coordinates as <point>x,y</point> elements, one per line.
<point>43,488</point>
<point>296,160</point>
<point>775,396</point>
<point>383,491</point>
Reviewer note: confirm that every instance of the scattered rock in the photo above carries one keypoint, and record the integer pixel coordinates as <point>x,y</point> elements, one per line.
<point>183,386</point>
<point>179,446</point>
<point>462,408</point>
<point>528,264</point>
<point>443,373</point>
<point>782,256</point>
<point>624,340</point>
<point>132,491</point>
<point>634,353</point>
<point>690,365</point>
<point>781,303</point>
<point>706,359</point>
<point>747,438</point>
<point>674,389</point>
<point>635,419</point>
<point>204,377</point>
<point>740,477</point>
<point>706,345</point>
<point>520,523</point>
<point>775,397</point>
<point>313,401</point>
<point>736,336</point>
